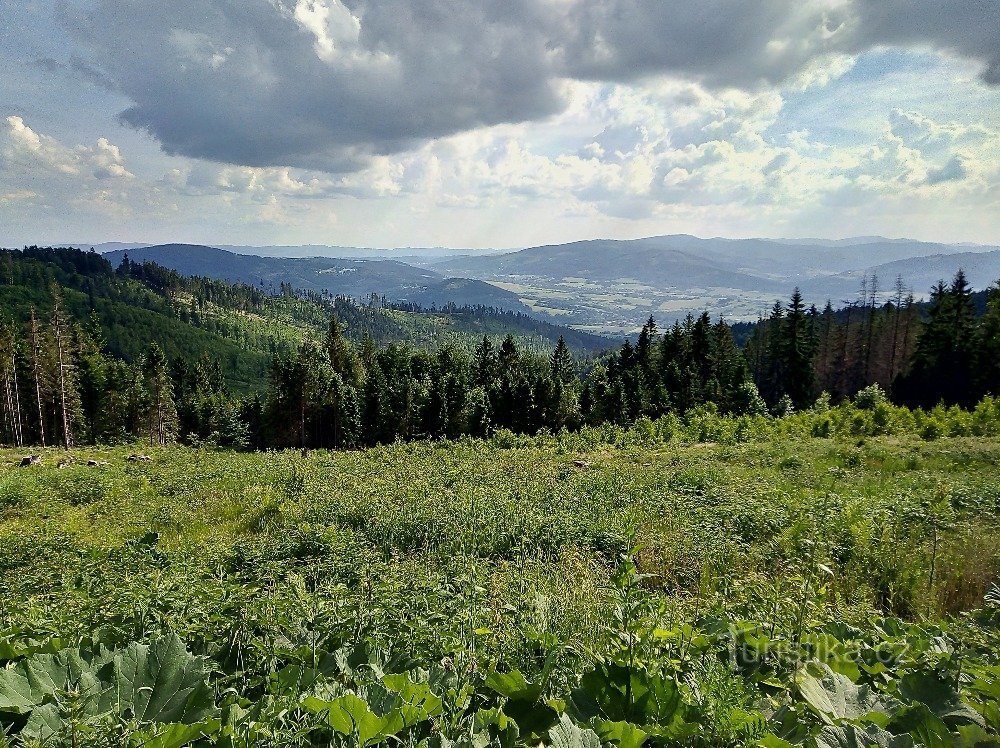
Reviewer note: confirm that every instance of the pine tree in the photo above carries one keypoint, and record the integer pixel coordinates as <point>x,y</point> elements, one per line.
<point>987,347</point>
<point>772,386</point>
<point>797,355</point>
<point>161,411</point>
<point>561,363</point>
<point>37,372</point>
<point>485,363</point>
<point>343,358</point>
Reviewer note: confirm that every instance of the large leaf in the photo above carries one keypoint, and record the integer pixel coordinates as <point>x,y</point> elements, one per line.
<point>940,696</point>
<point>177,735</point>
<point>514,686</point>
<point>38,679</point>
<point>836,697</point>
<point>923,725</point>
<point>350,715</point>
<point>618,693</point>
<point>162,682</point>
<point>850,736</point>
<point>622,734</point>
<point>567,735</point>
<point>974,736</point>
<point>45,725</point>
<point>532,717</point>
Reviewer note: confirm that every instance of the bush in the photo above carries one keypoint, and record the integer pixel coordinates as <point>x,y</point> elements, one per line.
<point>870,397</point>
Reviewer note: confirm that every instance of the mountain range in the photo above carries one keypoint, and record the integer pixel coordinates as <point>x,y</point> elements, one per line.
<point>600,285</point>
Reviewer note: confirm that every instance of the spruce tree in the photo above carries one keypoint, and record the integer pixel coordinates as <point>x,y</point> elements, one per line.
<point>987,347</point>
<point>561,363</point>
<point>160,410</point>
<point>796,354</point>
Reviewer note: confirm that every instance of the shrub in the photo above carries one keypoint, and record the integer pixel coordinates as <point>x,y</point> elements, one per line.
<point>870,397</point>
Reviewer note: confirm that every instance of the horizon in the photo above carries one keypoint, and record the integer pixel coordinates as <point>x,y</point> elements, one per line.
<point>497,125</point>
<point>802,240</point>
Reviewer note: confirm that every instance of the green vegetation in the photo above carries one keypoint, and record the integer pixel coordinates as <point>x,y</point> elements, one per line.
<point>823,579</point>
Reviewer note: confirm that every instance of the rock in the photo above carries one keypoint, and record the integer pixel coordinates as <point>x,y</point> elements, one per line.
<point>139,458</point>
<point>96,463</point>
<point>30,460</point>
<point>581,463</point>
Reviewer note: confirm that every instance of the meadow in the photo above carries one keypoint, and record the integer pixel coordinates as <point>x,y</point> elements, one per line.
<point>823,579</point>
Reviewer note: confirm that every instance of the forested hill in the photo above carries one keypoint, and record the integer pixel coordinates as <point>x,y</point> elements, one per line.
<point>239,326</point>
<point>126,314</point>
<point>356,278</point>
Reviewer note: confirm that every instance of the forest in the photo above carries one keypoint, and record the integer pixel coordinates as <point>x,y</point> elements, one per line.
<point>82,366</point>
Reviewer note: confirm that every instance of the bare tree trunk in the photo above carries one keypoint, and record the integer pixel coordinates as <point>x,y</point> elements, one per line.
<point>36,372</point>
<point>898,304</point>
<point>10,404</point>
<point>67,430</point>
<point>845,377</point>
<point>159,415</point>
<point>17,402</point>
<point>871,330</point>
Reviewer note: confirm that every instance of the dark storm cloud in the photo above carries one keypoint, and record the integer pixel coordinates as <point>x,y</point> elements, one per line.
<point>969,28</point>
<point>251,82</point>
<point>242,82</point>
<point>726,42</point>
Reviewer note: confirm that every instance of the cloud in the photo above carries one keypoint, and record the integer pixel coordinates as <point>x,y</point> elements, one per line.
<point>970,28</point>
<point>25,153</point>
<point>334,84</point>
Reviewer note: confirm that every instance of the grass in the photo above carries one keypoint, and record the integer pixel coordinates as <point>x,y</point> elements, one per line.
<point>479,550</point>
<point>718,514</point>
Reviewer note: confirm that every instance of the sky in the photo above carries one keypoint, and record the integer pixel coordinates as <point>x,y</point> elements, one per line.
<point>497,123</point>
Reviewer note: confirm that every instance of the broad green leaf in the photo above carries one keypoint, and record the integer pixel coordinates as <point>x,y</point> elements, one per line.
<point>834,696</point>
<point>923,725</point>
<point>177,735</point>
<point>940,697</point>
<point>514,686</point>
<point>567,735</point>
<point>350,715</point>
<point>974,736</point>
<point>38,679</point>
<point>850,736</point>
<point>419,702</point>
<point>162,682</point>
<point>773,741</point>
<point>604,692</point>
<point>44,725</point>
<point>623,734</point>
<point>532,718</point>
<point>294,679</point>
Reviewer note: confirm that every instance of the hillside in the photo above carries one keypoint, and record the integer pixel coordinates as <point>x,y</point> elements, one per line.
<point>355,278</point>
<point>239,325</point>
<point>981,268</point>
<point>615,285</point>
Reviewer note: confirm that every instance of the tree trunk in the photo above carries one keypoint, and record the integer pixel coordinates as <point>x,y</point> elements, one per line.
<point>67,430</point>
<point>17,403</point>
<point>36,372</point>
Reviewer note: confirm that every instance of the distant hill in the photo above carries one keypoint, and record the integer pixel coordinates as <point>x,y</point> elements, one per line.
<point>982,269</point>
<point>614,285</point>
<point>355,277</point>
<point>603,285</point>
<point>648,261</point>
<point>240,326</point>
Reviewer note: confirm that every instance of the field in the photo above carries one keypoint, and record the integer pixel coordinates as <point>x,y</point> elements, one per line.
<point>706,581</point>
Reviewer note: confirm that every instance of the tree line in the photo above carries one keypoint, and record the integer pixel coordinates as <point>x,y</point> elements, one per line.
<point>64,384</point>
<point>920,354</point>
